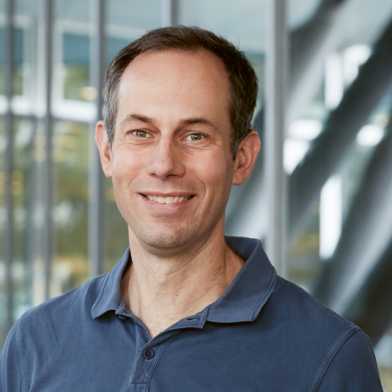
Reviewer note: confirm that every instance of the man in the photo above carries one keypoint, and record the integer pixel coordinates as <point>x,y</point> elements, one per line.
<point>185,309</point>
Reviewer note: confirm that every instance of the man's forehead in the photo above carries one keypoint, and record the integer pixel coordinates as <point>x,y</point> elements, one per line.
<point>157,64</point>
<point>193,82</point>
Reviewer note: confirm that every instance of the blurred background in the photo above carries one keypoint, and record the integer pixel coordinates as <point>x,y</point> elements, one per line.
<point>321,195</point>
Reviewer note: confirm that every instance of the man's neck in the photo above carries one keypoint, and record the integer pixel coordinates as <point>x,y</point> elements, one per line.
<point>162,291</point>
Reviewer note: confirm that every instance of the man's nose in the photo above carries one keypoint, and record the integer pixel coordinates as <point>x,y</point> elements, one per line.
<point>166,160</point>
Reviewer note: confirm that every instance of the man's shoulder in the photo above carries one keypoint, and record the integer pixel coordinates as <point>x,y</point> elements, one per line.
<point>40,335</point>
<point>62,311</point>
<point>333,347</point>
<point>306,316</point>
<point>341,350</point>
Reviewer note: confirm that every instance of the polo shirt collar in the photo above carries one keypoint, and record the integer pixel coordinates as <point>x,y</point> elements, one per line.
<point>242,300</point>
<point>109,295</point>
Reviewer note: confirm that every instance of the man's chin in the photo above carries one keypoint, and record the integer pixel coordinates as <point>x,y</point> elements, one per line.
<point>164,243</point>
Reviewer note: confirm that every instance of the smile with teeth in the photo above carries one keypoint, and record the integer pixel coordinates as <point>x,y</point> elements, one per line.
<point>167,199</point>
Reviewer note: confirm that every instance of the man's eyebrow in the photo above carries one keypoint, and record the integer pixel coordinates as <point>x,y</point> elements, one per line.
<point>198,120</point>
<point>185,121</point>
<point>139,117</point>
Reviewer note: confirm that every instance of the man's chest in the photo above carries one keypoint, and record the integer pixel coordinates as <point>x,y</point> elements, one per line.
<point>187,361</point>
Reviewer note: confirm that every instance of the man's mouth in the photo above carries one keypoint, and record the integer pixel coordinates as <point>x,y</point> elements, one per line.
<point>169,199</point>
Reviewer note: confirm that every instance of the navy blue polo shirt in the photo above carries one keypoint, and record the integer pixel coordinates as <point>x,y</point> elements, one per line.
<point>263,334</point>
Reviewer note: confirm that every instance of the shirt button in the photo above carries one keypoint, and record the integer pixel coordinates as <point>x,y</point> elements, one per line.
<point>149,353</point>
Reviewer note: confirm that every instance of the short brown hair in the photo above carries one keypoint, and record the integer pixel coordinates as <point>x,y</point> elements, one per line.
<point>242,77</point>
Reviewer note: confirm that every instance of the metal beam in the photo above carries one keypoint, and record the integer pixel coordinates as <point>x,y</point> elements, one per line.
<point>276,77</point>
<point>309,46</point>
<point>329,149</point>
<point>366,234</point>
<point>9,164</point>
<point>96,181</point>
<point>169,12</point>
<point>30,189</point>
<point>47,229</point>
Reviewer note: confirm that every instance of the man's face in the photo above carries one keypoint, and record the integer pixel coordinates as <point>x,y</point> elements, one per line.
<point>170,161</point>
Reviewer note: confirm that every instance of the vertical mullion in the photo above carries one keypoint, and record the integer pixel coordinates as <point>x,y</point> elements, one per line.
<point>169,12</point>
<point>96,183</point>
<point>276,109</point>
<point>9,162</point>
<point>30,188</point>
<point>48,149</point>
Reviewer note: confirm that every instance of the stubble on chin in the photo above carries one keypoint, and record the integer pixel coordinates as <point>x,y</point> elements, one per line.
<point>161,241</point>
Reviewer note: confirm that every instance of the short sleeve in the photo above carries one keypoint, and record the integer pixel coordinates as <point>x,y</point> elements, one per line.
<point>352,368</point>
<point>10,376</point>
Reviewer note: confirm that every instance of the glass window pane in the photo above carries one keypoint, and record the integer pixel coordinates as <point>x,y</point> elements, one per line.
<point>125,16</point>
<point>126,23</point>
<point>114,45</point>
<point>222,17</point>
<point>24,190</point>
<point>73,29</point>
<point>22,214</point>
<point>71,160</point>
<point>76,50</point>
<point>19,49</point>
<point>114,223</point>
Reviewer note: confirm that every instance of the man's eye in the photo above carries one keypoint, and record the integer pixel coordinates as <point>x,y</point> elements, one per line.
<point>195,137</point>
<point>140,133</point>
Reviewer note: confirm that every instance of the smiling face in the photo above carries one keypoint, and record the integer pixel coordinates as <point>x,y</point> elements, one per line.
<point>170,161</point>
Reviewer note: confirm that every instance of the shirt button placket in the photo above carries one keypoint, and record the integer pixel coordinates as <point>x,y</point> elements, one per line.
<point>144,368</point>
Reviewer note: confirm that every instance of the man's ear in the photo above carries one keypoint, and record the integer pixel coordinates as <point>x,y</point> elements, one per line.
<point>246,156</point>
<point>104,148</point>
